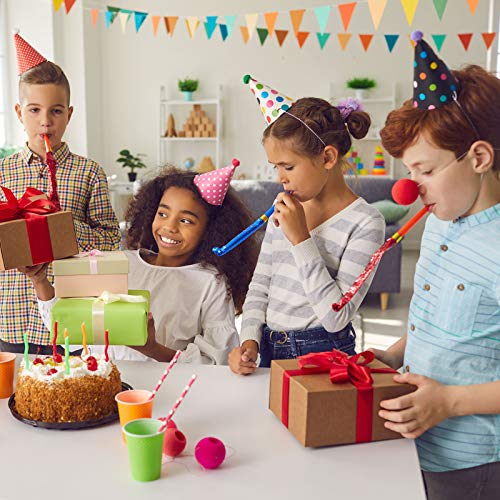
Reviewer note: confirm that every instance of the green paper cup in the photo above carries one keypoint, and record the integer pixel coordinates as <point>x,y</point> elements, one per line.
<point>145,446</point>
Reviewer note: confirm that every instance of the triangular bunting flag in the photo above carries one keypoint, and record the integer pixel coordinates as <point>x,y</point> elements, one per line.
<point>155,21</point>
<point>262,32</point>
<point>224,33</point>
<point>438,40</point>
<point>109,18</point>
<point>391,41</point>
<point>114,12</point>
<point>322,15</point>
<point>302,37</point>
<point>94,13</point>
<point>170,23</point>
<point>488,39</point>
<point>366,40</point>
<point>465,38</point>
<point>344,39</point>
<point>270,18</point>
<point>57,4</point>
<point>69,4</point>
<point>139,18</point>
<point>377,8</point>
<point>346,10</point>
<point>210,25</point>
<point>322,39</point>
<point>244,33</point>
<point>440,5</point>
<point>296,17</point>
<point>230,20</point>
<point>472,5</point>
<point>124,16</point>
<point>251,23</point>
<point>281,35</point>
<point>192,23</point>
<point>409,6</point>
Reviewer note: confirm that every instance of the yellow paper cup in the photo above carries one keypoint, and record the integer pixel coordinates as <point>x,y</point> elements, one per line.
<point>7,365</point>
<point>132,405</point>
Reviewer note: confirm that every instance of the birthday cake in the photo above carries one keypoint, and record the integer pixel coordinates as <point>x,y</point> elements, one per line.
<point>46,393</point>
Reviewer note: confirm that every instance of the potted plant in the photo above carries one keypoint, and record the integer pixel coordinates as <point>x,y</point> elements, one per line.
<point>128,160</point>
<point>187,87</point>
<point>361,86</point>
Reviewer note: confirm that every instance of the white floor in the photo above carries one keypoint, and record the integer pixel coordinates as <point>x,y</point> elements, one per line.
<point>383,328</point>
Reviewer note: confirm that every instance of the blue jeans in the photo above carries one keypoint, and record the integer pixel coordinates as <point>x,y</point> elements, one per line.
<point>291,344</point>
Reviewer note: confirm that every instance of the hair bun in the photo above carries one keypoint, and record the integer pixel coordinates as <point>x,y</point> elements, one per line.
<point>358,123</point>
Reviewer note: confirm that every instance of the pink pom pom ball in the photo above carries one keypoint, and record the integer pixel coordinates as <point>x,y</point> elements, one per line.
<point>210,452</point>
<point>174,443</point>
<point>405,191</point>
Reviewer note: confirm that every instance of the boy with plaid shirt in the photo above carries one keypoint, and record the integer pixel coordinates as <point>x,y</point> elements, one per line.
<point>44,108</point>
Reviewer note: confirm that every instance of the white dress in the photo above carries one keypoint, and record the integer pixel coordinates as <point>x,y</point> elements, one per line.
<point>191,310</point>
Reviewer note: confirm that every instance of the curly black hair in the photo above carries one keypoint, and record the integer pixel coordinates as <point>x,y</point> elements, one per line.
<point>224,222</point>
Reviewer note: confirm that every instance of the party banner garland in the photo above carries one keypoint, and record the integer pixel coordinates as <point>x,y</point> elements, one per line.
<point>224,25</point>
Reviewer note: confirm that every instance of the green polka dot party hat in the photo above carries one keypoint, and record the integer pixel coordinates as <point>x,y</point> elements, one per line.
<point>271,102</point>
<point>433,83</point>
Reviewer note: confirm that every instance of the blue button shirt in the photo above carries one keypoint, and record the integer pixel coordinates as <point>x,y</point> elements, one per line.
<point>454,331</point>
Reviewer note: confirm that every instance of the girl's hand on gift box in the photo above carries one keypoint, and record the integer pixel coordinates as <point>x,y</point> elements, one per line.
<point>290,216</point>
<point>242,360</point>
<point>412,414</point>
<point>152,348</point>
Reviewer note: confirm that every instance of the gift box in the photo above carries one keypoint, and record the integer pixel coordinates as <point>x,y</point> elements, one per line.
<point>124,316</point>
<point>330,399</point>
<point>32,231</point>
<point>88,274</point>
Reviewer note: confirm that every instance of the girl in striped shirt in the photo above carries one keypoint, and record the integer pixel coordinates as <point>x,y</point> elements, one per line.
<point>319,239</point>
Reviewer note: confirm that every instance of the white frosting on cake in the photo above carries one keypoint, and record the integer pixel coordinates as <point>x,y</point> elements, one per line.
<point>78,368</point>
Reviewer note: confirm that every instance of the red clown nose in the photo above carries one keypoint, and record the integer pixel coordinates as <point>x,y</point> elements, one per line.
<point>405,191</point>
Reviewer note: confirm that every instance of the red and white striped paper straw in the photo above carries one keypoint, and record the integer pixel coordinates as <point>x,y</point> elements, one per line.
<point>165,373</point>
<point>177,403</point>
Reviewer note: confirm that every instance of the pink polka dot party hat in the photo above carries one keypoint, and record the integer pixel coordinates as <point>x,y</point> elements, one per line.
<point>271,102</point>
<point>27,56</point>
<point>213,185</point>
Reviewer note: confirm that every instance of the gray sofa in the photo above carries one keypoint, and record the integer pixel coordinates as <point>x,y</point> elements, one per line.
<point>259,195</point>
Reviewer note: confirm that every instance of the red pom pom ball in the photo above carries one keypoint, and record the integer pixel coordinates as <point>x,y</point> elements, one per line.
<point>210,452</point>
<point>174,443</point>
<point>405,191</point>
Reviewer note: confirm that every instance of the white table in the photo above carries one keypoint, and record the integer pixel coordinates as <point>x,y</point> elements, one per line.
<point>265,461</point>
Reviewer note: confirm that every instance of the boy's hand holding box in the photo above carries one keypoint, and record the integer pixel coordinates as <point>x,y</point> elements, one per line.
<point>90,273</point>
<point>329,398</point>
<point>32,231</point>
<point>124,316</point>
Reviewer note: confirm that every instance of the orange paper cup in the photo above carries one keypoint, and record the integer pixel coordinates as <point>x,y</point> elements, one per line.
<point>7,365</point>
<point>132,405</point>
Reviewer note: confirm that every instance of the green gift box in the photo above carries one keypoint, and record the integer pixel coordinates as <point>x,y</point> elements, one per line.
<point>124,316</point>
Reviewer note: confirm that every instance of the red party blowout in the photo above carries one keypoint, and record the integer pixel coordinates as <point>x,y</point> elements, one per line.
<point>52,166</point>
<point>328,398</point>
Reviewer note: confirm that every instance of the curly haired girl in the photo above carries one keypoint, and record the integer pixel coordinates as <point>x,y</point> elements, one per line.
<point>174,221</point>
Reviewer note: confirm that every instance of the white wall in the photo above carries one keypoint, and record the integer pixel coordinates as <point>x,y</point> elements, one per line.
<point>115,77</point>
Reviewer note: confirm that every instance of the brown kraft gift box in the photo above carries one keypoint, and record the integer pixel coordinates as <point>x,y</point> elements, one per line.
<point>15,250</point>
<point>322,413</point>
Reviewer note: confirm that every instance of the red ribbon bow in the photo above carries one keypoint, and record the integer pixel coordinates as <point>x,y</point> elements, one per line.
<point>342,368</point>
<point>32,207</point>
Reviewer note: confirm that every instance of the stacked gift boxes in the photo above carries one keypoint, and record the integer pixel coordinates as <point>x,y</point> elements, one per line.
<point>333,402</point>
<point>92,288</point>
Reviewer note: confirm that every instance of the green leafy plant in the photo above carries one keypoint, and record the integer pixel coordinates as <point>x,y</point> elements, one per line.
<point>361,83</point>
<point>128,160</point>
<point>188,85</point>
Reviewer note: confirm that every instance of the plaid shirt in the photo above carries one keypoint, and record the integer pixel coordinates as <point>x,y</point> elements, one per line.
<point>83,190</point>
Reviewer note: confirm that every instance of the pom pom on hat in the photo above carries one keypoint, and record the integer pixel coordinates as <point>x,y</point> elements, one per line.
<point>271,102</point>
<point>416,36</point>
<point>213,185</point>
<point>27,56</point>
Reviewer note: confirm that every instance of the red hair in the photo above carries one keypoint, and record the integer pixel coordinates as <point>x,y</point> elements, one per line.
<point>447,127</point>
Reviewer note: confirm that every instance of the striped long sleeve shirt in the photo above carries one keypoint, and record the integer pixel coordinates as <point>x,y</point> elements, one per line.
<point>454,331</point>
<point>293,287</point>
<point>83,190</point>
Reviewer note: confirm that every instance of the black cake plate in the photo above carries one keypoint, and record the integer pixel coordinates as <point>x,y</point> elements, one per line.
<point>66,426</point>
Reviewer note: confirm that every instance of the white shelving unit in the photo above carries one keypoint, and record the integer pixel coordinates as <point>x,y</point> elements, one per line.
<point>167,150</point>
<point>377,107</point>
